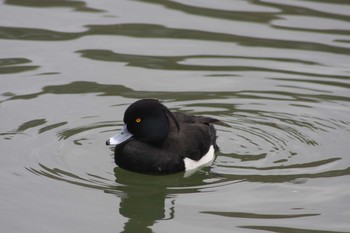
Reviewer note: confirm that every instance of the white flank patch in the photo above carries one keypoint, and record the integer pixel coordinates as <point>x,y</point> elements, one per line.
<point>205,160</point>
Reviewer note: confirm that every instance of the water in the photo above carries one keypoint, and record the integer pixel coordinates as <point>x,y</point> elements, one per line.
<point>277,72</point>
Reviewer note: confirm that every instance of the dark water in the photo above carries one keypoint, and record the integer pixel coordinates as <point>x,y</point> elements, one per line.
<point>277,72</point>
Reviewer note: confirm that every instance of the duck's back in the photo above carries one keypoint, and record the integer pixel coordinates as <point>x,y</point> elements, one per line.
<point>195,137</point>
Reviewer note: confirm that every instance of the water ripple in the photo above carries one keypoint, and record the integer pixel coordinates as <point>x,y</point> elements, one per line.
<point>160,31</point>
<point>258,216</point>
<point>15,65</point>
<point>278,229</point>
<point>263,147</point>
<point>76,5</point>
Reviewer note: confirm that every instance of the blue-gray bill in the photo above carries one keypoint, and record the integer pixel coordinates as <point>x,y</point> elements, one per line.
<point>122,136</point>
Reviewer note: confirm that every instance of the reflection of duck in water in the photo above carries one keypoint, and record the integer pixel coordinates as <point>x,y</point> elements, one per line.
<point>146,200</point>
<point>157,141</point>
<point>142,210</point>
<point>143,200</point>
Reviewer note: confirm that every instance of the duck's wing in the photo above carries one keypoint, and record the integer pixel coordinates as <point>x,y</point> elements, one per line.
<point>195,137</point>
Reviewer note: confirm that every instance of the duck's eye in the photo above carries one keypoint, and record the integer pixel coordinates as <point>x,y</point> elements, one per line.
<point>138,120</point>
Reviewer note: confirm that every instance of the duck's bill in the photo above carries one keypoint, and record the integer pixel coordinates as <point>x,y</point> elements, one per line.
<point>123,135</point>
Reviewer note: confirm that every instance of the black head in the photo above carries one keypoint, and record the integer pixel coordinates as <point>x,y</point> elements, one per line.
<point>148,120</point>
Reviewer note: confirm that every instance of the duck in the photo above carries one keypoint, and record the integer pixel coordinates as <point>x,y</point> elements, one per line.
<point>155,140</point>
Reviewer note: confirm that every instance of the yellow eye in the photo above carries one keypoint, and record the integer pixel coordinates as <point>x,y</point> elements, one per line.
<point>138,120</point>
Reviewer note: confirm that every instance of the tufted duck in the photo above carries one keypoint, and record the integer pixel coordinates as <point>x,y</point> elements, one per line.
<point>157,141</point>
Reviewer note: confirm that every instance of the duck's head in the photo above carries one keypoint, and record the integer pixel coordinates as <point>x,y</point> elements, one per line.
<point>146,120</point>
